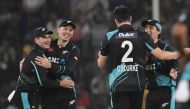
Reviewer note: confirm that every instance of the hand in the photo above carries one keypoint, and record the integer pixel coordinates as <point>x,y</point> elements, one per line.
<point>186,50</point>
<point>173,73</point>
<point>21,64</point>
<point>67,83</point>
<point>43,61</point>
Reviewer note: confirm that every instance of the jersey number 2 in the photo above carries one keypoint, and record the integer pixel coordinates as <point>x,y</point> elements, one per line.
<point>125,57</point>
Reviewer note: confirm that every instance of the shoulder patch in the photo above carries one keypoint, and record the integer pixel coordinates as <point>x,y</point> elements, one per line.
<point>111,33</point>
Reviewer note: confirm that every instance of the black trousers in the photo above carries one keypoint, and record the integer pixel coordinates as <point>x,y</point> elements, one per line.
<point>49,104</point>
<point>58,99</point>
<point>159,98</point>
<point>27,100</point>
<point>127,100</point>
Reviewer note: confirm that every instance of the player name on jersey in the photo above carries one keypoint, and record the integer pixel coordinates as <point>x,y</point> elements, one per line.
<point>123,68</point>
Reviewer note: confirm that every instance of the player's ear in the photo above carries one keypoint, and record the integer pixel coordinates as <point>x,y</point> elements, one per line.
<point>57,30</point>
<point>35,39</point>
<point>130,18</point>
<point>116,22</point>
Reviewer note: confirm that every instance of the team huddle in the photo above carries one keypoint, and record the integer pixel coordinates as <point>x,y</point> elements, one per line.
<point>46,78</point>
<point>135,60</point>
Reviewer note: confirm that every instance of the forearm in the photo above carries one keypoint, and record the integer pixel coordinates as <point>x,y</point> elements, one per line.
<point>167,55</point>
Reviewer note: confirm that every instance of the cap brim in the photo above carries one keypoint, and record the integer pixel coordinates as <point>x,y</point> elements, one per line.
<point>145,22</point>
<point>49,32</point>
<point>71,24</point>
<point>43,35</point>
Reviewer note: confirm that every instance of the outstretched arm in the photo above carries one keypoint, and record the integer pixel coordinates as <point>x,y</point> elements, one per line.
<point>165,55</point>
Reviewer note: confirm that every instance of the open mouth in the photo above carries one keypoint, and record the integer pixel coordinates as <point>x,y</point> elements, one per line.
<point>65,37</point>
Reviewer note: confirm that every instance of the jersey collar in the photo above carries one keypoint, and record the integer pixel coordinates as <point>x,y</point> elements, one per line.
<point>126,27</point>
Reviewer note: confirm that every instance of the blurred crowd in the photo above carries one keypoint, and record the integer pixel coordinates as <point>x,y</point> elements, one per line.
<point>93,19</point>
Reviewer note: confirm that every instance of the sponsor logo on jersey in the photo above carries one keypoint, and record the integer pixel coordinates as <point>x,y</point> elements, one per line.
<point>127,35</point>
<point>56,60</point>
<point>62,61</point>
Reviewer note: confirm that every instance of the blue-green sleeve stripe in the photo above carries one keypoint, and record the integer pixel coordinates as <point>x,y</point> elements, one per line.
<point>37,73</point>
<point>24,97</point>
<point>149,47</point>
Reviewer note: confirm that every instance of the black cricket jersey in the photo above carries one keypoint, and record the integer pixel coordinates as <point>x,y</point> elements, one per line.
<point>158,70</point>
<point>32,76</point>
<point>64,61</point>
<point>126,50</point>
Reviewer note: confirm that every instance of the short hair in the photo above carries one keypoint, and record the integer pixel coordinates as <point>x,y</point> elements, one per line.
<point>121,13</point>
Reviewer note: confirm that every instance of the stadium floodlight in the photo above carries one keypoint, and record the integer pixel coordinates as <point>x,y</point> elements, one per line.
<point>156,9</point>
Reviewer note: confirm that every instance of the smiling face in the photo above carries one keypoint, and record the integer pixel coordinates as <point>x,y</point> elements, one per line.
<point>43,42</point>
<point>66,32</point>
<point>152,30</point>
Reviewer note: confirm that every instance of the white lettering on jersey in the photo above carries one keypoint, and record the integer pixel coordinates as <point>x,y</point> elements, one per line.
<point>151,67</point>
<point>54,60</point>
<point>127,35</point>
<point>123,68</point>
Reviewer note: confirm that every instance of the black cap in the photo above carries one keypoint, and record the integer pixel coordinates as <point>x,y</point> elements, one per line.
<point>153,23</point>
<point>41,32</point>
<point>66,23</point>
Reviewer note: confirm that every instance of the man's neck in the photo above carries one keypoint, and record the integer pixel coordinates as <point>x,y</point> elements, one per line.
<point>62,43</point>
<point>155,38</point>
<point>123,23</point>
